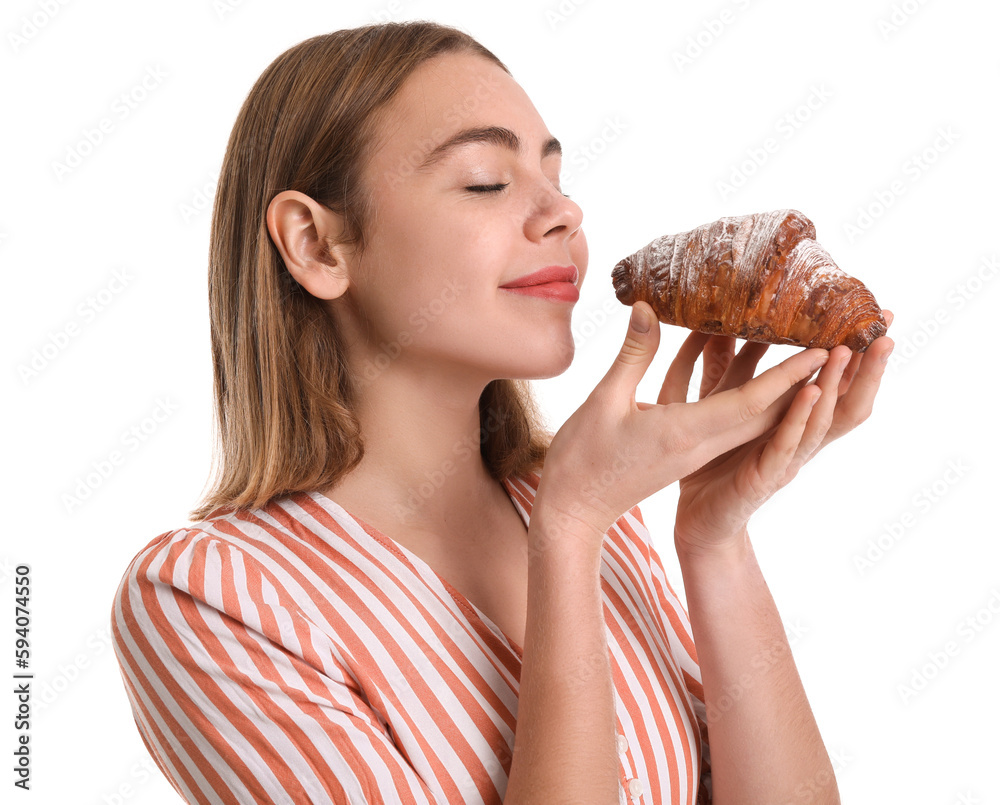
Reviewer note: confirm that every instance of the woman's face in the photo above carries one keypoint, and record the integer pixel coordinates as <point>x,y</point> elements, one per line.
<point>439,252</point>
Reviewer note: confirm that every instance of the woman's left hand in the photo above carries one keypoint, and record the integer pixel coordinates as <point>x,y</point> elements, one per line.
<point>716,500</point>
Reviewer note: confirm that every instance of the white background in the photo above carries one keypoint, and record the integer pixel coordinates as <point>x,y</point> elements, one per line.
<point>919,476</point>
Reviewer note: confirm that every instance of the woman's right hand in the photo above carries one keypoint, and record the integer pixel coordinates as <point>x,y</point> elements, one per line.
<point>613,452</point>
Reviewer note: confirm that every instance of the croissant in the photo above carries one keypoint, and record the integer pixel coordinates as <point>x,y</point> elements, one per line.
<point>760,277</point>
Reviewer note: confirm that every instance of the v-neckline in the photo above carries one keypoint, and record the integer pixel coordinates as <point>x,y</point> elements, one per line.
<point>388,542</point>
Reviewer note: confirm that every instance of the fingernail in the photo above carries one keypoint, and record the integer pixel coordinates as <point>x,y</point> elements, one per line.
<point>638,321</point>
<point>885,356</point>
<point>820,360</point>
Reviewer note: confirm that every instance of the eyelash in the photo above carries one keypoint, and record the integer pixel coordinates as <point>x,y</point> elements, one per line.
<point>493,188</point>
<point>487,188</point>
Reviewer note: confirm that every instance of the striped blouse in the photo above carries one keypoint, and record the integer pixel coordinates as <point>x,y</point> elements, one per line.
<point>294,653</point>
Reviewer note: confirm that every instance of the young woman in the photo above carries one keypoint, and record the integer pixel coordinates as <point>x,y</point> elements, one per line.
<point>398,569</point>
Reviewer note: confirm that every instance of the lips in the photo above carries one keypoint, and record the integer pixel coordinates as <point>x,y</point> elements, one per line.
<point>546,275</point>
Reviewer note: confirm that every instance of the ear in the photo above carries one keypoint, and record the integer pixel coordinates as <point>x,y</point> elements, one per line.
<point>302,230</point>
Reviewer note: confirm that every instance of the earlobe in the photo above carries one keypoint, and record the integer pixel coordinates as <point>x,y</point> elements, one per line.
<point>301,230</point>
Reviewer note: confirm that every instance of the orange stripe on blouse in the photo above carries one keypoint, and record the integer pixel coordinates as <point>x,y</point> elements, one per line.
<point>294,653</point>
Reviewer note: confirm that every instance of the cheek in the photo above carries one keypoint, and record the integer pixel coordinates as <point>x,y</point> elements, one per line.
<point>415,230</point>
<point>435,240</point>
<point>422,277</point>
<point>425,248</point>
<point>580,252</point>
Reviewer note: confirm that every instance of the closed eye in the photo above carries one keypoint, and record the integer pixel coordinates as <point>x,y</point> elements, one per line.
<point>487,188</point>
<point>493,188</point>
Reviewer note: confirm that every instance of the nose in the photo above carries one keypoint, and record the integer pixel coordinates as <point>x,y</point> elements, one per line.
<point>552,214</point>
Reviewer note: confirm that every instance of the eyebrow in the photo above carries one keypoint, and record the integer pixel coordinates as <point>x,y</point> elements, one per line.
<point>491,135</point>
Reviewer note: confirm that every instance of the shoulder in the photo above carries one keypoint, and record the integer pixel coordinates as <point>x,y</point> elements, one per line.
<point>152,605</point>
<point>237,555</point>
<point>168,555</point>
<point>190,593</point>
<point>208,561</point>
<point>175,562</point>
<point>158,557</point>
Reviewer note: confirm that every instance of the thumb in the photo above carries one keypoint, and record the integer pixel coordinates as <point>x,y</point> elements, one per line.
<point>636,354</point>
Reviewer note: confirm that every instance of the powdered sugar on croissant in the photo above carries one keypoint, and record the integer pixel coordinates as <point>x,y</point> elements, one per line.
<point>762,277</point>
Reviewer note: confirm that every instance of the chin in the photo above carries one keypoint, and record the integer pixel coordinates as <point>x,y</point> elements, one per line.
<point>560,359</point>
<point>542,364</point>
<point>539,349</point>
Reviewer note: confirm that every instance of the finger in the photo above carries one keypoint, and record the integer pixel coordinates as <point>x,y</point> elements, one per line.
<point>678,378</point>
<point>780,407</point>
<point>718,355</point>
<point>848,376</point>
<point>856,405</point>
<point>743,365</point>
<point>636,354</point>
<point>852,367</point>
<point>780,451</point>
<point>821,416</point>
<point>734,416</point>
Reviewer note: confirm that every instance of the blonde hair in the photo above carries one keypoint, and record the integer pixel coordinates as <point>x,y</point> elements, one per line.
<point>284,396</point>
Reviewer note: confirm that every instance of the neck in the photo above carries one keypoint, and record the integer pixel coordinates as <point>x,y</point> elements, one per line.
<point>422,465</point>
